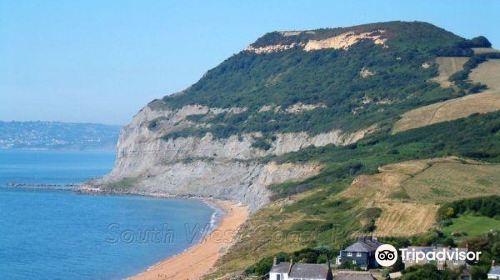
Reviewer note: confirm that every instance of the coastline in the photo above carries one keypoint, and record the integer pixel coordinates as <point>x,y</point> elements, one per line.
<point>199,259</point>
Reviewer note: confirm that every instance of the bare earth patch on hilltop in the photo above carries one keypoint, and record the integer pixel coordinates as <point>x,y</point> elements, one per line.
<point>409,193</point>
<point>342,41</point>
<point>345,40</point>
<point>489,101</point>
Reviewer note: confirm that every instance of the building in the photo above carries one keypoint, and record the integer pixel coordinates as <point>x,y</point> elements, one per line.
<point>454,263</point>
<point>395,275</point>
<point>300,271</point>
<point>353,275</point>
<point>494,272</point>
<point>408,262</point>
<point>361,253</point>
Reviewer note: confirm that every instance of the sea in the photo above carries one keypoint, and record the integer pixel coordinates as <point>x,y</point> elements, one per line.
<point>50,231</point>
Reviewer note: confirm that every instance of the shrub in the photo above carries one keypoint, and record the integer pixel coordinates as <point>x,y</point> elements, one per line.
<point>261,143</point>
<point>260,268</point>
<point>477,42</point>
<point>486,206</point>
<point>371,213</point>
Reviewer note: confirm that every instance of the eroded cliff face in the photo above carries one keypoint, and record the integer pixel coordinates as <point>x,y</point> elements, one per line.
<point>204,166</point>
<point>342,41</point>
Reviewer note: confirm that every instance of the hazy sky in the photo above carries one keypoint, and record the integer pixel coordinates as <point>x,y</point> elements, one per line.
<point>101,61</point>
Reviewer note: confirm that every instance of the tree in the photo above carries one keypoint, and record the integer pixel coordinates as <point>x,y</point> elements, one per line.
<point>450,212</point>
<point>480,42</point>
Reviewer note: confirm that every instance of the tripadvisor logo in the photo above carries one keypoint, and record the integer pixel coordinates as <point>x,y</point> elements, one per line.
<point>386,255</point>
<point>439,254</point>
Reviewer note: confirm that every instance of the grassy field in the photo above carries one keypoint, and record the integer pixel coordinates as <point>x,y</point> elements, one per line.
<point>409,192</point>
<point>449,110</point>
<point>484,50</point>
<point>447,181</point>
<point>472,226</point>
<point>448,66</point>
<point>487,73</point>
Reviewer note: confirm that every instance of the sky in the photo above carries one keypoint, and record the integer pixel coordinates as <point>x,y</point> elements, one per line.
<point>102,61</point>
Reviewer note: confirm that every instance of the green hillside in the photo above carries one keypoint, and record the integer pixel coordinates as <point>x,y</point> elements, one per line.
<point>329,77</point>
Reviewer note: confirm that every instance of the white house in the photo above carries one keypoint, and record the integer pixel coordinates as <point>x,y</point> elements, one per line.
<point>494,272</point>
<point>300,271</point>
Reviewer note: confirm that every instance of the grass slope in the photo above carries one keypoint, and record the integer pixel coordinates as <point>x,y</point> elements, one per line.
<point>471,225</point>
<point>447,66</point>
<point>487,73</point>
<point>327,211</point>
<point>409,193</point>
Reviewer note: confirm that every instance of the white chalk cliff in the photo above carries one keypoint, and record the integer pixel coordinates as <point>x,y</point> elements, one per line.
<point>205,166</point>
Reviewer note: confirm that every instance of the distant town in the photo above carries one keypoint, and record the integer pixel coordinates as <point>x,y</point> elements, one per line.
<point>43,135</point>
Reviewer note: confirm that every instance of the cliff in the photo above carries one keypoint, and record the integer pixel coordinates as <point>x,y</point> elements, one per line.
<point>205,166</point>
<point>286,93</point>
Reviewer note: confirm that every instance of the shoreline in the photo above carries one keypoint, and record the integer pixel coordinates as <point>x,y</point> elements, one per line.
<point>199,259</point>
<point>216,217</point>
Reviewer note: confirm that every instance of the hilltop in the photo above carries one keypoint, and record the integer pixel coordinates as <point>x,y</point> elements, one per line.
<point>296,122</point>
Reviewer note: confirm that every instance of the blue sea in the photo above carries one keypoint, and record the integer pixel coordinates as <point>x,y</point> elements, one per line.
<point>48,231</point>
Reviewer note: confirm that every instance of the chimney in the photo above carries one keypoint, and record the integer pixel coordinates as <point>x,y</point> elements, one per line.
<point>291,264</point>
<point>275,261</point>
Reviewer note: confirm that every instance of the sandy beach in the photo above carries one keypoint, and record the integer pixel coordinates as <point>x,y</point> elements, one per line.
<point>200,259</point>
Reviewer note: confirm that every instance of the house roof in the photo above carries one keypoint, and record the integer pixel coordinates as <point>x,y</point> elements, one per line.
<point>309,270</point>
<point>494,270</point>
<point>281,267</point>
<point>353,275</point>
<point>358,247</point>
<point>364,245</point>
<point>302,270</point>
